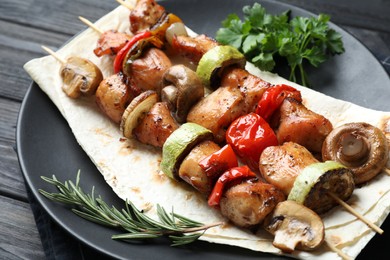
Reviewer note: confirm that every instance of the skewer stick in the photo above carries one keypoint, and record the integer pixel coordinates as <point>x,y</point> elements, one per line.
<point>55,55</point>
<point>358,215</point>
<point>387,170</point>
<point>126,4</point>
<point>91,25</point>
<point>338,251</point>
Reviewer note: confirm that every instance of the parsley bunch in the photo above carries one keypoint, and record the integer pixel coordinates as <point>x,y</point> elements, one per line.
<point>263,38</point>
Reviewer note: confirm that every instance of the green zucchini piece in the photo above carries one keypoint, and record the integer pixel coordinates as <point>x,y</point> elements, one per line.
<point>312,186</point>
<point>179,144</point>
<point>213,61</point>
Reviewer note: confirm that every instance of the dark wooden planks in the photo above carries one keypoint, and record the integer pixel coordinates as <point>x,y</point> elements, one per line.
<point>12,182</point>
<point>19,238</point>
<point>350,12</point>
<point>58,16</point>
<point>19,44</point>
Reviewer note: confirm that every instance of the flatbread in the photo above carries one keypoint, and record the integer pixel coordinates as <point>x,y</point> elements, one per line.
<point>132,169</point>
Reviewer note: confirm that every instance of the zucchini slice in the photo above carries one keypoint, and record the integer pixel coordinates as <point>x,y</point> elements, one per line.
<point>312,186</point>
<point>179,144</point>
<point>213,62</point>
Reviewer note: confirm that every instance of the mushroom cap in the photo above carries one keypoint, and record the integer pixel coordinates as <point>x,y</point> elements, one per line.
<point>80,76</point>
<point>295,226</point>
<point>189,89</point>
<point>360,146</point>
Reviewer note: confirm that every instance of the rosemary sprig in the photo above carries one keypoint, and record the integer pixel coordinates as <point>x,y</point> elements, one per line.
<point>138,225</point>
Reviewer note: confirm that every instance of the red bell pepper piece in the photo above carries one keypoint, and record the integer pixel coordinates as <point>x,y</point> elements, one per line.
<point>229,177</point>
<point>249,135</point>
<point>219,162</point>
<point>122,53</point>
<point>274,97</point>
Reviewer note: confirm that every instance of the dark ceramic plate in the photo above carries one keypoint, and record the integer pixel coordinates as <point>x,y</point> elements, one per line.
<point>47,146</point>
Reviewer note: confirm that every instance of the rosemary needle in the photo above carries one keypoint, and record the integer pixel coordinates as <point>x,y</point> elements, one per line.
<point>135,222</point>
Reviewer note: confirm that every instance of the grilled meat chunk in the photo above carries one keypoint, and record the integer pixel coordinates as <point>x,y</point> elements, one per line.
<point>110,42</point>
<point>147,72</point>
<point>300,125</point>
<point>238,95</point>
<point>156,126</point>
<point>280,165</point>
<point>247,204</point>
<point>193,48</point>
<point>144,15</point>
<point>113,95</point>
<point>192,173</point>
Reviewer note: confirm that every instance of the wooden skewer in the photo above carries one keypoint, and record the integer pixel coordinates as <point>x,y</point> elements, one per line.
<point>357,214</point>
<point>90,24</point>
<point>338,251</point>
<point>126,4</point>
<point>55,55</point>
<point>387,170</point>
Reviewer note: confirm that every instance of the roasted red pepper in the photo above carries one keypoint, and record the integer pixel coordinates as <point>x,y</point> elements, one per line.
<point>219,162</point>
<point>231,177</point>
<point>249,135</point>
<point>122,53</point>
<point>273,98</point>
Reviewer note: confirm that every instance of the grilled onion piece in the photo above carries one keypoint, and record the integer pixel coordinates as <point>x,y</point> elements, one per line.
<point>134,112</point>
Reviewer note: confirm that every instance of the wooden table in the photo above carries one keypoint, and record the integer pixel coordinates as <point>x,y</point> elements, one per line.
<point>26,25</point>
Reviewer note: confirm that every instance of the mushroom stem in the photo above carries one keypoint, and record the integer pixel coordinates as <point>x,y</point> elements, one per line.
<point>91,25</point>
<point>357,214</point>
<point>55,55</point>
<point>353,148</point>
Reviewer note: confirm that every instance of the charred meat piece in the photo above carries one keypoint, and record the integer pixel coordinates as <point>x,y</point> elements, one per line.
<point>144,15</point>
<point>251,86</point>
<point>247,204</point>
<point>192,173</point>
<point>216,111</point>
<point>147,72</point>
<point>300,125</point>
<point>113,95</point>
<point>238,95</point>
<point>280,165</point>
<point>156,126</point>
<point>193,48</point>
<point>110,42</point>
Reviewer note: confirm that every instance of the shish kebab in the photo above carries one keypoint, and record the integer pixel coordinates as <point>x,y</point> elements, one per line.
<point>229,77</point>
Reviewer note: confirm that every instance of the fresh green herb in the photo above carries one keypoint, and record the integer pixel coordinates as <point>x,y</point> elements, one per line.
<point>179,229</point>
<point>263,38</point>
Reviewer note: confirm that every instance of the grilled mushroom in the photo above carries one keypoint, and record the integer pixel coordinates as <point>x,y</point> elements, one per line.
<point>295,226</point>
<point>183,91</point>
<point>80,76</point>
<point>360,146</point>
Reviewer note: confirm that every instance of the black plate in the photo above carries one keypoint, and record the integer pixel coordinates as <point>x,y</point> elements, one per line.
<point>47,146</point>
